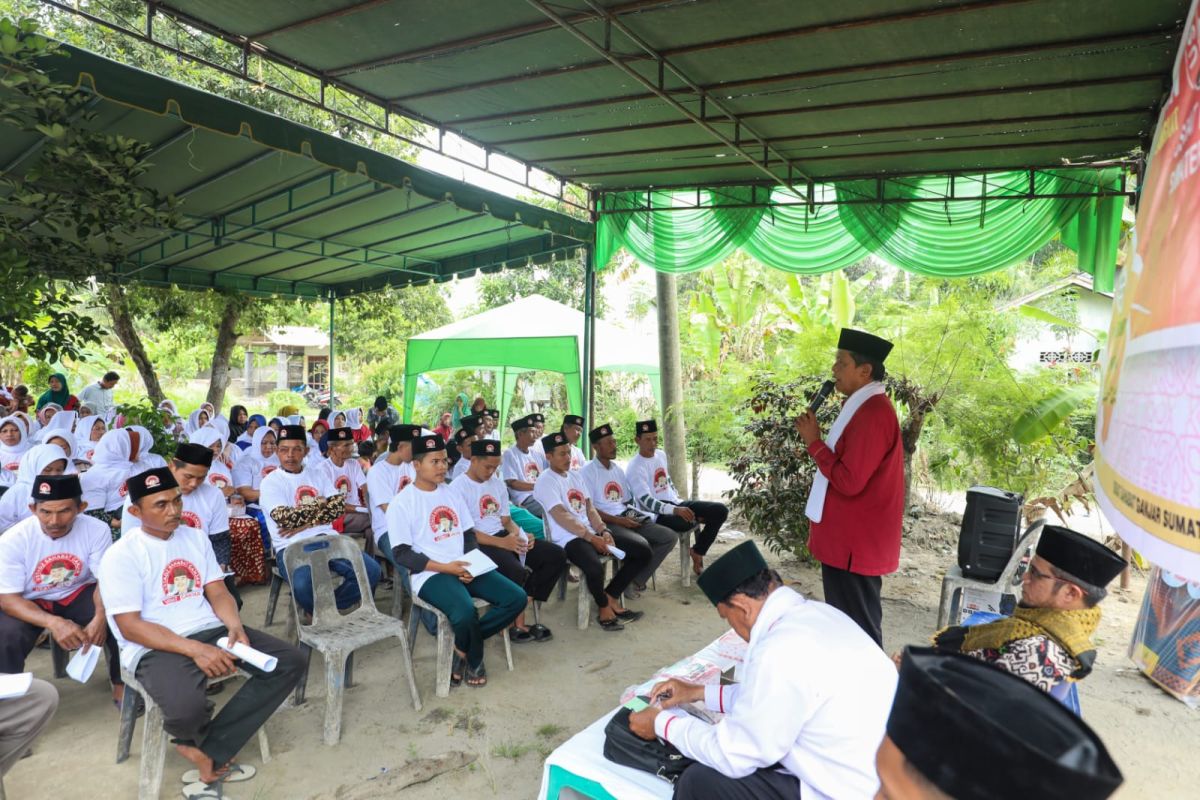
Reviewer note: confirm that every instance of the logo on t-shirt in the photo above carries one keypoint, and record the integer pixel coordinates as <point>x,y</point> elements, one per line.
<point>342,484</point>
<point>488,506</point>
<point>56,571</point>
<point>660,480</point>
<point>576,500</point>
<point>218,480</point>
<point>443,522</point>
<point>180,580</point>
<point>576,461</point>
<point>612,492</point>
<point>531,471</point>
<point>404,481</point>
<point>191,519</point>
<point>13,466</point>
<point>305,494</point>
<point>267,470</point>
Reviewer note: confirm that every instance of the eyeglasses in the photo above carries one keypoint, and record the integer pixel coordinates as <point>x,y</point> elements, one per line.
<point>1037,574</point>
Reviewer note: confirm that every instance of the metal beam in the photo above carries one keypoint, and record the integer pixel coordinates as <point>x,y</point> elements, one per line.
<point>304,23</point>
<point>793,172</point>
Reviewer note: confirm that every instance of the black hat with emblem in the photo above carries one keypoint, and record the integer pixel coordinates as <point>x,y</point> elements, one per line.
<point>485,447</point>
<point>428,444</point>
<point>572,419</point>
<point>192,453</point>
<point>293,433</point>
<point>150,482</point>
<point>597,434</point>
<point>56,487</point>
<point>645,426</point>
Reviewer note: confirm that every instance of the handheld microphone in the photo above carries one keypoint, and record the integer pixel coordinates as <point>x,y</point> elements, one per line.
<point>822,394</point>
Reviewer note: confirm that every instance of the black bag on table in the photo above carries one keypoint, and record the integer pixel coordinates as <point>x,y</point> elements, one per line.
<point>622,746</point>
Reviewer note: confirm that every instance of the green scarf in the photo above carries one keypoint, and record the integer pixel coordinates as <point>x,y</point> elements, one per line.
<point>1072,630</point>
<point>51,396</point>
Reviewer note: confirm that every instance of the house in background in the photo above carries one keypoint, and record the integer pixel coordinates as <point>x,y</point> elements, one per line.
<point>285,358</point>
<point>1046,345</point>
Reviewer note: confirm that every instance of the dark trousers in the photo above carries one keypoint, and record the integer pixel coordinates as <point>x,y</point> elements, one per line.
<point>17,637</point>
<point>584,556</point>
<point>711,516</point>
<point>177,686</point>
<point>454,599</point>
<point>699,782</point>
<point>542,568</point>
<point>857,596</point>
<point>662,541</point>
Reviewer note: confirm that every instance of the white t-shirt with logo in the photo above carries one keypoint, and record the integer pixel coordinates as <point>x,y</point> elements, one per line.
<point>607,487</point>
<point>384,482</point>
<point>650,476</point>
<point>521,466</point>
<point>567,491</point>
<point>432,523</point>
<point>283,488</point>
<point>40,568</point>
<point>460,468</point>
<point>251,471</point>
<point>487,501</point>
<point>349,478</point>
<point>204,509</point>
<point>219,476</point>
<point>161,579</point>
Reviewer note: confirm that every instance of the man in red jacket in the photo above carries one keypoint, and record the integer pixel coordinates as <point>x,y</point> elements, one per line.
<point>857,500</point>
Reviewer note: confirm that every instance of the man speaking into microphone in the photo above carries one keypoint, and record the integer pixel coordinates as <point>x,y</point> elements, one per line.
<point>857,500</point>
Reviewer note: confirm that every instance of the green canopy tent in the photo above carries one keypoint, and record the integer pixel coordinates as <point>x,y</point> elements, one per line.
<point>532,333</point>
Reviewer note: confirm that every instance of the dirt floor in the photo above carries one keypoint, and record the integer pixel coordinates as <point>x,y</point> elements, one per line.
<point>506,729</point>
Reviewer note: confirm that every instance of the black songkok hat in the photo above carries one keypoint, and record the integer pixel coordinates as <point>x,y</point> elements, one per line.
<point>56,487</point>
<point>553,440</point>
<point>293,432</point>
<point>340,435</point>
<point>149,482</point>
<point>865,344</point>
<point>645,426</point>
<point>192,453</point>
<point>428,444</point>
<point>1080,555</point>
<point>404,432</point>
<point>522,423</point>
<point>462,435</point>
<point>494,413</point>
<point>485,447</point>
<point>538,418</point>
<point>599,433</point>
<point>730,571</point>
<point>572,419</point>
<point>981,733</point>
<point>471,422</point>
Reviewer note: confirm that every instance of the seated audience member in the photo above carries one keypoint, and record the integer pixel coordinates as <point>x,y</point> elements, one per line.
<point>431,529</point>
<point>462,442</point>
<point>539,430</point>
<point>167,603</point>
<point>798,724</point>
<point>58,394</point>
<point>239,421</point>
<point>316,436</point>
<point>365,454</point>
<point>14,441</point>
<point>655,493</point>
<point>961,729</point>
<point>246,438</point>
<point>343,471</point>
<point>48,568</point>
<point>536,568</point>
<point>98,396</point>
<point>220,471</point>
<point>22,719</point>
<point>575,526</point>
<point>42,459</point>
<point>382,413</point>
<point>104,484</point>
<point>292,486</point>
<point>382,441</point>
<point>444,429</point>
<point>572,428</point>
<point>389,476</point>
<point>521,467</point>
<point>1048,639</point>
<point>605,481</point>
<point>199,418</point>
<point>491,420</point>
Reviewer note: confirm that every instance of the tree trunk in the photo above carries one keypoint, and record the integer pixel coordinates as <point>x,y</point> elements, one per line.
<point>226,339</point>
<point>910,435</point>
<point>671,376</point>
<point>118,309</point>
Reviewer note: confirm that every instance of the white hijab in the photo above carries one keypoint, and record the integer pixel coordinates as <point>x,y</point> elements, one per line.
<point>145,459</point>
<point>10,457</point>
<point>46,434</point>
<point>207,437</point>
<point>14,505</point>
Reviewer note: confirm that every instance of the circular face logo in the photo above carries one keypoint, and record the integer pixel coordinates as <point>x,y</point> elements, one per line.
<point>305,494</point>
<point>43,488</point>
<point>576,500</point>
<point>218,480</point>
<point>531,471</point>
<point>612,492</point>
<point>660,480</point>
<point>180,580</point>
<point>13,466</point>
<point>191,519</point>
<point>576,461</point>
<point>152,481</point>
<point>342,484</point>
<point>267,470</point>
<point>124,490</point>
<point>443,522</point>
<point>404,481</point>
<point>488,506</point>
<point>56,571</point>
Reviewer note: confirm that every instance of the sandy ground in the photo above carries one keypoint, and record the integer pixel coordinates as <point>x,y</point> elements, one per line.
<point>557,689</point>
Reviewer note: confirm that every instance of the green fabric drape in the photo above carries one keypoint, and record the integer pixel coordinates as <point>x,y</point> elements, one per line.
<point>943,238</point>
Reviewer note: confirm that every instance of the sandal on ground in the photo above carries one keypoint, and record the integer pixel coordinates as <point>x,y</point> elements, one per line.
<point>206,791</point>
<point>234,773</point>
<point>520,635</point>
<point>540,633</point>
<point>476,677</point>
<point>613,624</point>
<point>629,616</point>
<point>458,665</point>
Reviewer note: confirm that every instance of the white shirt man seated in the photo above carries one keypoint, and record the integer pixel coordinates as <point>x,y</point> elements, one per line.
<point>806,718</point>
<point>166,602</point>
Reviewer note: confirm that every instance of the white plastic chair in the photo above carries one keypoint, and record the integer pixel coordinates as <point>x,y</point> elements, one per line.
<point>954,580</point>
<point>445,640</point>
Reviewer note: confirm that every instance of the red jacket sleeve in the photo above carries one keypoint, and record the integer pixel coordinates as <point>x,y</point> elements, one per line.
<point>852,462</point>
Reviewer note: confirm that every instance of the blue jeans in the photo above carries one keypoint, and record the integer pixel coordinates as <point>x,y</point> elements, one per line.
<point>345,594</point>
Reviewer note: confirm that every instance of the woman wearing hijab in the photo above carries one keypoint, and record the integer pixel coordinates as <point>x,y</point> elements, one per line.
<point>197,420</point>
<point>47,413</point>
<point>144,459</point>
<point>112,460</point>
<point>90,435</point>
<point>255,422</point>
<point>14,442</point>
<point>276,425</point>
<point>220,473</point>
<point>41,459</point>
<point>256,463</point>
<point>238,419</point>
<point>58,393</point>
<point>444,429</point>
<point>63,439</point>
<point>316,433</point>
<point>460,409</point>
<point>171,420</point>
<point>354,422</point>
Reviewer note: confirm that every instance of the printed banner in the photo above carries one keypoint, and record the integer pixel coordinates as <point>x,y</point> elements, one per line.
<point>1148,425</point>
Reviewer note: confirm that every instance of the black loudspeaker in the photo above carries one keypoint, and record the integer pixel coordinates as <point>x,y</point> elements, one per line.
<point>991,527</point>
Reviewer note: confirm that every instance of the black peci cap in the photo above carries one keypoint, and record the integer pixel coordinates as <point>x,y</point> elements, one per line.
<point>56,487</point>
<point>485,447</point>
<point>191,453</point>
<point>150,482</point>
<point>1080,555</point>
<point>865,344</point>
<point>599,433</point>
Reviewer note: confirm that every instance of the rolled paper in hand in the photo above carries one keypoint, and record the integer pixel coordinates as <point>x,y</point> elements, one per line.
<point>255,658</point>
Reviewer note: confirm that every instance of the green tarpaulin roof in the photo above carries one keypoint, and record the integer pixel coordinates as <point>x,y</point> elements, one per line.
<point>639,93</point>
<point>273,207</point>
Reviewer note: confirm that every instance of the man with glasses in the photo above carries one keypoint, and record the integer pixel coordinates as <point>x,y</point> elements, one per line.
<point>1048,640</point>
